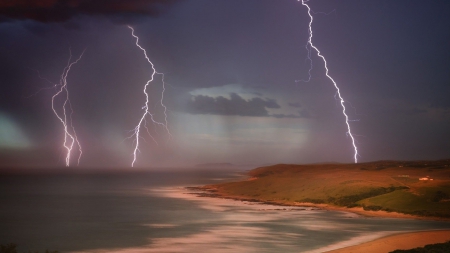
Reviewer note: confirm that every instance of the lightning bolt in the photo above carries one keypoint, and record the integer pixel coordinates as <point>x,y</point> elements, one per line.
<point>311,46</point>
<point>70,135</point>
<point>142,121</point>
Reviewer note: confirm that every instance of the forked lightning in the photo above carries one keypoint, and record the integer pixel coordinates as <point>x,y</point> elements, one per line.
<point>310,46</point>
<point>142,121</point>
<point>70,135</point>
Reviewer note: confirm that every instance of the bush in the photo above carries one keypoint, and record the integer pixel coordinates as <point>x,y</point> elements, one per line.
<point>8,248</point>
<point>12,248</point>
<point>430,248</point>
<point>372,208</point>
<point>440,195</point>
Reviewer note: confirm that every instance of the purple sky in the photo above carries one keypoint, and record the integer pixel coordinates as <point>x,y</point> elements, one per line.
<point>231,68</point>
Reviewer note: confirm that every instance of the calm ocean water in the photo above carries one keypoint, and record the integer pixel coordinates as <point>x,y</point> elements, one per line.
<point>74,211</point>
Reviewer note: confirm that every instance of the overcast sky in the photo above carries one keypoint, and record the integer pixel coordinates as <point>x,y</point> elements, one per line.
<point>234,73</point>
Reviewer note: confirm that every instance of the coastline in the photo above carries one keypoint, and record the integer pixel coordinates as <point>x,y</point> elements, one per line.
<point>398,241</point>
<point>384,244</point>
<point>212,191</point>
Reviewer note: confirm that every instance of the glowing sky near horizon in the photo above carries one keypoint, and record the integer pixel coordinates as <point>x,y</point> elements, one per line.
<point>230,70</point>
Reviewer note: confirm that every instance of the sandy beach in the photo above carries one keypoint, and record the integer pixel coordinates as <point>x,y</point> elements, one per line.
<point>399,241</point>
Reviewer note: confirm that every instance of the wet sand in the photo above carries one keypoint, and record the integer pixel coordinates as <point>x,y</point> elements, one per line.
<point>399,241</point>
<point>361,211</point>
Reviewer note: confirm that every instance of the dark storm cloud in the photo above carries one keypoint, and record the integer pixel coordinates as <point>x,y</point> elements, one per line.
<point>47,11</point>
<point>235,105</point>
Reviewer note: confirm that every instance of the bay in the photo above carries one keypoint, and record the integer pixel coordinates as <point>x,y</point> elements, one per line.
<point>152,211</point>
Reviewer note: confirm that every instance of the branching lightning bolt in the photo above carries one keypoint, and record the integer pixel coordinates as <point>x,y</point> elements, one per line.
<point>70,135</point>
<point>310,46</point>
<point>142,121</point>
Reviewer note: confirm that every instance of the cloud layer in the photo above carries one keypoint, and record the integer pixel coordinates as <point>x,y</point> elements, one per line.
<point>235,105</point>
<point>238,106</point>
<point>47,11</point>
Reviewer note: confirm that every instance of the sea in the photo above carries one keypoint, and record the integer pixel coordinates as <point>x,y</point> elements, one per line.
<point>152,211</point>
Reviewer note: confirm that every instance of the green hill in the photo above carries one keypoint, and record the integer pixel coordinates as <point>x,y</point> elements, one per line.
<point>384,185</point>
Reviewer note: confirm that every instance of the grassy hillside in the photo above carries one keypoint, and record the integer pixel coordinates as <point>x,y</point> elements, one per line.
<point>383,185</point>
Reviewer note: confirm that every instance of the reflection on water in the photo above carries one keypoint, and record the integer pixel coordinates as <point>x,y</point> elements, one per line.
<point>153,212</point>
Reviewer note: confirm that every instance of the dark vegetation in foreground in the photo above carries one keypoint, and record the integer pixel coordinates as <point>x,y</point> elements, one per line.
<point>12,248</point>
<point>419,188</point>
<point>430,248</point>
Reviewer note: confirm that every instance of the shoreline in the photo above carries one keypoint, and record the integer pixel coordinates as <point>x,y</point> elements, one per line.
<point>403,241</point>
<point>214,192</point>
<point>384,244</point>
